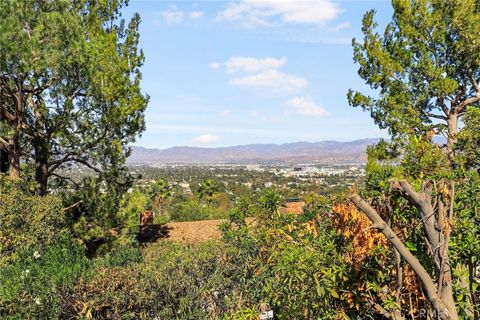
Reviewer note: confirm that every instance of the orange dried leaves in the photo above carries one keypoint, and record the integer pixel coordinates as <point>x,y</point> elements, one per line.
<point>355,226</point>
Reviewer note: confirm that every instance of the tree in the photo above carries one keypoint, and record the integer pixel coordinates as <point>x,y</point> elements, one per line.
<point>425,72</point>
<point>69,85</point>
<point>207,189</point>
<point>271,202</point>
<point>160,192</point>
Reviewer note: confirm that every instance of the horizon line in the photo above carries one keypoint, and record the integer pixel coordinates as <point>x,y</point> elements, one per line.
<point>253,143</point>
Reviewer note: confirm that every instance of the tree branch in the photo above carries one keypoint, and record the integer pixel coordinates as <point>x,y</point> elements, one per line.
<point>87,164</point>
<point>437,116</point>
<point>417,267</point>
<point>4,143</point>
<point>72,206</point>
<point>461,107</point>
<point>64,178</point>
<point>384,313</point>
<point>52,166</point>
<point>414,196</point>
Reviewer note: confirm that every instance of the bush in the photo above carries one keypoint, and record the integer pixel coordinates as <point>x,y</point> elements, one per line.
<point>293,263</point>
<point>121,256</point>
<point>27,221</point>
<point>33,286</point>
<point>191,210</point>
<point>173,282</point>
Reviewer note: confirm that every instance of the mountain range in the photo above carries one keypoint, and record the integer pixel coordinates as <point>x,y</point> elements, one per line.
<point>331,152</point>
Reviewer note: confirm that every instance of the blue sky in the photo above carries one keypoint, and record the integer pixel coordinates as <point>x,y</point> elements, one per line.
<point>223,73</point>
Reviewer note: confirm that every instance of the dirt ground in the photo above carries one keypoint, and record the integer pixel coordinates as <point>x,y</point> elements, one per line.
<point>194,231</point>
<point>184,232</point>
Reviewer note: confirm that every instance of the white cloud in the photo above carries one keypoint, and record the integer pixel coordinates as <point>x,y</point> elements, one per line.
<point>205,139</point>
<point>173,15</point>
<point>306,107</point>
<point>215,65</point>
<point>260,12</point>
<point>250,64</point>
<point>272,79</point>
<point>196,14</point>
<point>261,73</point>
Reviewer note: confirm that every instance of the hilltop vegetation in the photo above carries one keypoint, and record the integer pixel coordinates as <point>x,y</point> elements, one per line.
<point>401,243</point>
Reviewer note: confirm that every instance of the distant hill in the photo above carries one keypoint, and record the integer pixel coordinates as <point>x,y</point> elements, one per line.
<point>321,152</point>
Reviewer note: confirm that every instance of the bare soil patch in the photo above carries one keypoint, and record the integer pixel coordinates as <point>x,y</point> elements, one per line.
<point>183,232</point>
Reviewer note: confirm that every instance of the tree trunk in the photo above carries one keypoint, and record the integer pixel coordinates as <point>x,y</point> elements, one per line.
<point>4,159</point>
<point>41,167</point>
<point>437,230</point>
<point>14,159</point>
<point>443,308</point>
<point>14,142</point>
<point>445,276</point>
<point>452,124</point>
<point>446,291</point>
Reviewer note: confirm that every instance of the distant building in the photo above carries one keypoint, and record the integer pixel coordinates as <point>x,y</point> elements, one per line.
<point>254,167</point>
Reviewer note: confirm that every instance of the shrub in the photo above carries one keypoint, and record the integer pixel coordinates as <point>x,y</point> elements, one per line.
<point>120,256</point>
<point>293,263</point>
<point>173,282</point>
<point>192,210</point>
<point>33,286</point>
<point>27,221</point>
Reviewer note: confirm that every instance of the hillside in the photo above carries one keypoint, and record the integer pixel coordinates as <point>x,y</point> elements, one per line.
<point>324,151</point>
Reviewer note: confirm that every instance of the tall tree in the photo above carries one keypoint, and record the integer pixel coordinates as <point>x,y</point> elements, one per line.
<point>160,192</point>
<point>69,84</point>
<point>425,73</point>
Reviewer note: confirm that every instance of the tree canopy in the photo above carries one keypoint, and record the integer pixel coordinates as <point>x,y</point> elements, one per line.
<point>69,85</point>
<point>424,75</point>
<point>425,67</point>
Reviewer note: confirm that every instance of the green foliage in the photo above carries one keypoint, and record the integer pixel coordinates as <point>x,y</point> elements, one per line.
<point>27,221</point>
<point>242,209</point>
<point>465,243</point>
<point>315,203</point>
<point>292,263</point>
<point>306,278</point>
<point>173,282</point>
<point>103,209</point>
<point>207,189</point>
<point>424,71</point>
<point>160,192</point>
<point>245,314</point>
<point>423,159</point>
<point>425,57</point>
<point>121,255</point>
<point>33,286</point>
<point>466,240</point>
<point>132,206</point>
<point>270,203</point>
<point>76,65</point>
<point>468,145</point>
<point>191,210</point>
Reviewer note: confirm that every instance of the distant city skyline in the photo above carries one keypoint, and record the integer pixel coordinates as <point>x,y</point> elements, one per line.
<point>223,73</point>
